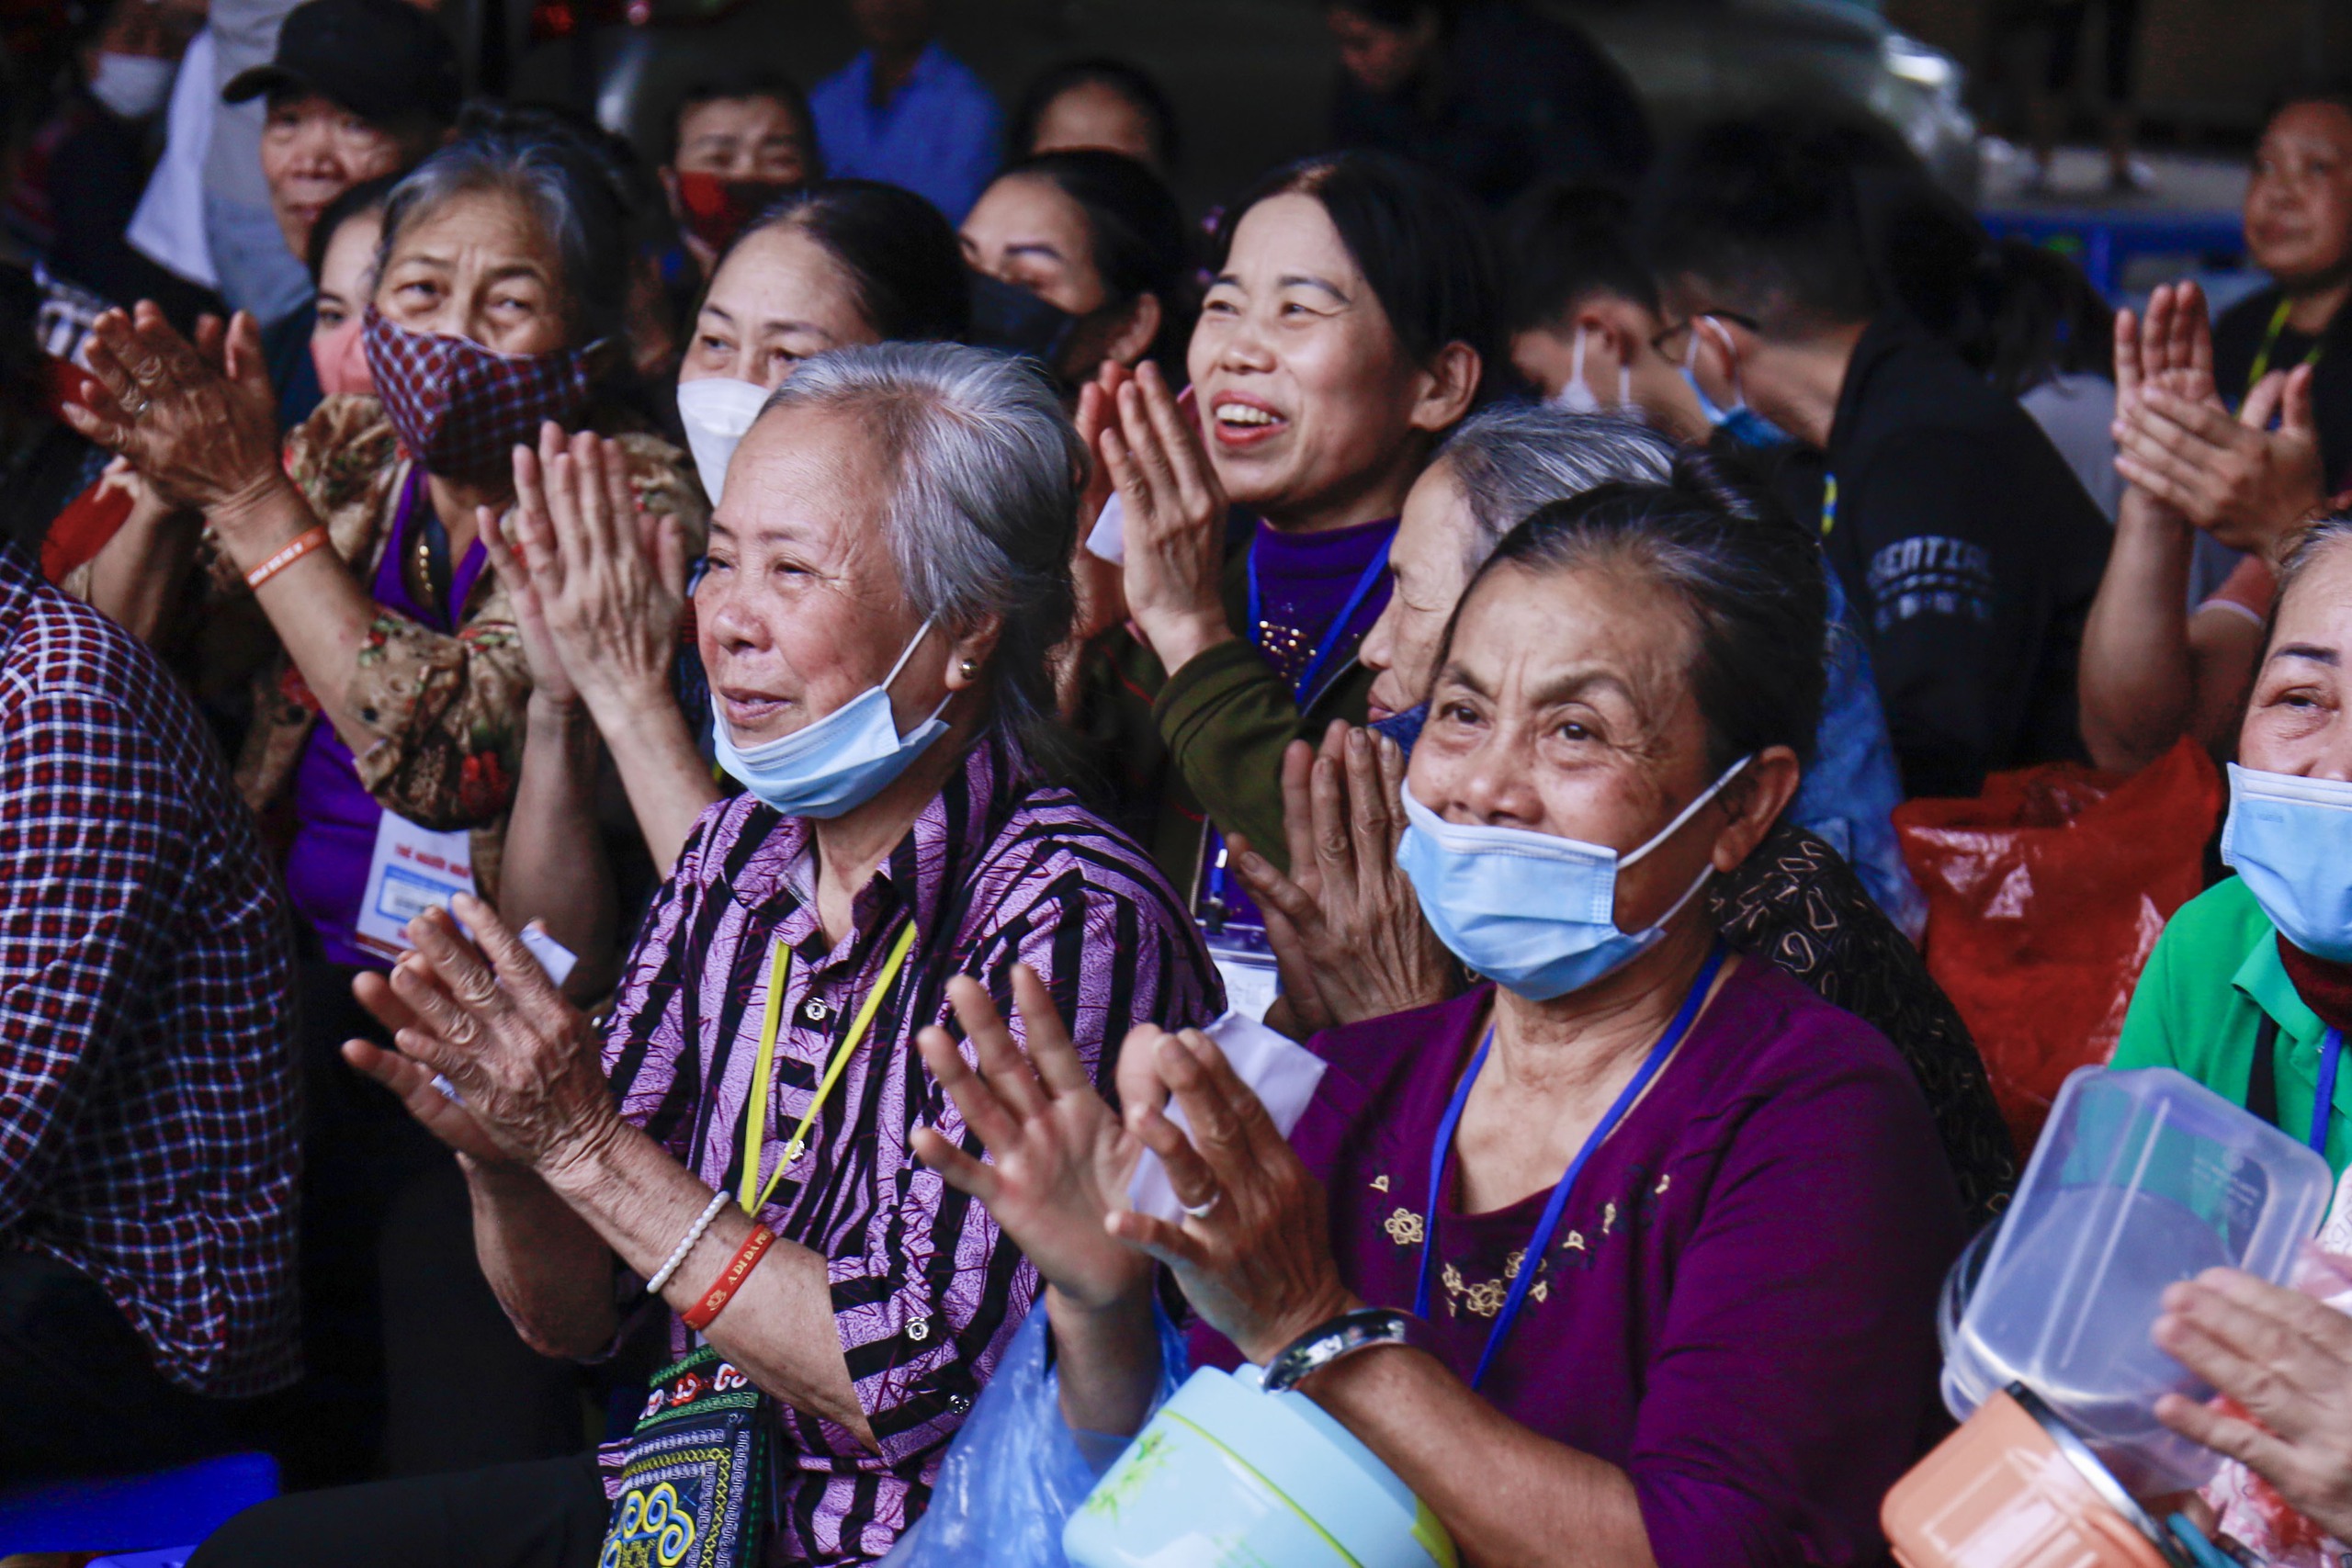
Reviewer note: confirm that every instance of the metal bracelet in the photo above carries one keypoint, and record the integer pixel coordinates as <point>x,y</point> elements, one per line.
<point>1343,1335</point>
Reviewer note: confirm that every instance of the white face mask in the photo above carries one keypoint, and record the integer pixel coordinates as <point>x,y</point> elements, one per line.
<point>717,411</point>
<point>132,86</point>
<point>1576,394</point>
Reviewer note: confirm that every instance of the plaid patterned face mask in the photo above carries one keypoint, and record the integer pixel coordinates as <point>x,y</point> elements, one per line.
<point>460,409</point>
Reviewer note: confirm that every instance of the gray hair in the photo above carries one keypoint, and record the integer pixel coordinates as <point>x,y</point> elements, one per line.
<point>572,192</point>
<point>2320,538</point>
<point>1512,460</point>
<point>984,516</point>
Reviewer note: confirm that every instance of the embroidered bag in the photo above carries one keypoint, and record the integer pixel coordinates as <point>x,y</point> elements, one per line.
<point>697,1487</point>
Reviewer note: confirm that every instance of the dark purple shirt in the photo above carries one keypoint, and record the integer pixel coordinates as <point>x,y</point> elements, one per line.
<point>334,816</point>
<point>1304,581</point>
<point>1738,1306</point>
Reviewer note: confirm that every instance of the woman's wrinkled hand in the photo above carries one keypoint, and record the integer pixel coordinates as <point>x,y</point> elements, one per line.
<point>1175,510</point>
<point>2286,1360</point>
<point>549,679</point>
<point>1254,1253</point>
<point>1058,1158</point>
<point>607,578</point>
<point>526,1062</point>
<point>198,420</point>
<point>1345,925</point>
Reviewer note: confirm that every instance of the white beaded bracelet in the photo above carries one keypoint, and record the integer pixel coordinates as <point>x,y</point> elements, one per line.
<point>694,1234</point>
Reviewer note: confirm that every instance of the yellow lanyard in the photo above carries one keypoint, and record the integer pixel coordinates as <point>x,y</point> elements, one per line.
<point>753,1196</point>
<point>2270,341</point>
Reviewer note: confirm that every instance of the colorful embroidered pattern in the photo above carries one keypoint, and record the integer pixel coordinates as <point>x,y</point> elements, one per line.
<point>695,1488</point>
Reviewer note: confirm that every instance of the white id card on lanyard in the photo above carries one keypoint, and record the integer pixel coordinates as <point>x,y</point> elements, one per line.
<point>414,869</point>
<point>1247,967</point>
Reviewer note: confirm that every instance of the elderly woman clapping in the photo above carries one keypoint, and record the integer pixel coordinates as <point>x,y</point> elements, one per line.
<point>1637,1209</point>
<point>887,569</point>
<point>388,708</point>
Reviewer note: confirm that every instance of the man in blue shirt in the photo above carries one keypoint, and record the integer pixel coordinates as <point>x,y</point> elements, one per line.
<point>909,112</point>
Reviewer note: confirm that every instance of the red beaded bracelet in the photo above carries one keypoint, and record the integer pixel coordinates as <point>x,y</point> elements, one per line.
<point>730,1279</point>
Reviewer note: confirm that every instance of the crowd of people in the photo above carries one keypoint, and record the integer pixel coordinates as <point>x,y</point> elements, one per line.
<point>667,763</point>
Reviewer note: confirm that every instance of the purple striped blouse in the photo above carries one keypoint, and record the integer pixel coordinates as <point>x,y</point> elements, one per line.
<point>999,869</point>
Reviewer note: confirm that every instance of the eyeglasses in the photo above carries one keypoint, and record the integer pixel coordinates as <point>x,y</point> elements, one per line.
<point>1674,341</point>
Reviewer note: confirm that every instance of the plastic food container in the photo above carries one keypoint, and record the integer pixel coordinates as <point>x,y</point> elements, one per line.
<point>2013,1488</point>
<point>1227,1476</point>
<point>2142,1179</point>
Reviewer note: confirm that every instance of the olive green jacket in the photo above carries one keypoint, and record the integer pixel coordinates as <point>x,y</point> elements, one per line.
<point>1174,755</point>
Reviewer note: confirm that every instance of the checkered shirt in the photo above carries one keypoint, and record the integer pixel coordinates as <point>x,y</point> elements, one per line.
<point>149,1114</point>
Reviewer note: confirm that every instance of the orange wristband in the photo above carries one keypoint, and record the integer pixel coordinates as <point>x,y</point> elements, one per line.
<point>309,539</point>
<point>730,1279</point>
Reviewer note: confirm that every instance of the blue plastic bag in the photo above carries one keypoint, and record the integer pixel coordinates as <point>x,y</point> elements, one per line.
<point>1016,1472</point>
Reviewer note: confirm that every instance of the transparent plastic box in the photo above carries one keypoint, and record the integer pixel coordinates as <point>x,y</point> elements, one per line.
<point>2142,1179</point>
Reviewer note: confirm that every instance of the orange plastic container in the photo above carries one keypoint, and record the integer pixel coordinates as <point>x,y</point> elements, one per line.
<point>2013,1488</point>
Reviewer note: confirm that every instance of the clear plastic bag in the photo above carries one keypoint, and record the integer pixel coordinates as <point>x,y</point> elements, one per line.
<point>1016,1472</point>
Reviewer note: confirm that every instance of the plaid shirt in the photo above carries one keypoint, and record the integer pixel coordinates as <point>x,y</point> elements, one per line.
<point>998,870</point>
<point>148,1103</point>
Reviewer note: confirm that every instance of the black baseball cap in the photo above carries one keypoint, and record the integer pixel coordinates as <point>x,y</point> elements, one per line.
<point>383,60</point>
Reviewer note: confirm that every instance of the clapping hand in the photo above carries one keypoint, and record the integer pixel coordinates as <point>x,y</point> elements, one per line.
<point>1345,925</point>
<point>605,580</point>
<point>1175,519</point>
<point>1253,1252</point>
<point>1058,1158</point>
<point>527,1062</point>
<point>198,420</point>
<point>2247,484</point>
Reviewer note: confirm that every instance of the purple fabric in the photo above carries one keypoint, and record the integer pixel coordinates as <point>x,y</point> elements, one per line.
<point>334,816</point>
<point>1739,1307</point>
<point>999,869</point>
<point>1303,581</point>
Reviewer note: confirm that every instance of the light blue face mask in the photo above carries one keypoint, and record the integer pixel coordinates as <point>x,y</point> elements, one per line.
<point>1741,424</point>
<point>836,763</point>
<point>2291,839</point>
<point>1534,913</point>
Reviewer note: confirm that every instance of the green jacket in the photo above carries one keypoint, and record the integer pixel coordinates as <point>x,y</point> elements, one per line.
<point>1174,755</point>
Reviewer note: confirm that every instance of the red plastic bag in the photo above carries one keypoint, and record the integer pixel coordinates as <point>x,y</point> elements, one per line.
<point>2045,896</point>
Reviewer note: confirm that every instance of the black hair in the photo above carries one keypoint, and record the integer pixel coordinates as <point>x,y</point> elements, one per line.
<point>1400,13</point>
<point>2044,318</point>
<point>903,259</point>
<point>1562,243</point>
<point>1766,214</point>
<point>1141,242</point>
<point>367,196</point>
<point>1130,81</point>
<point>1424,249</point>
<point>746,83</point>
<point>1751,579</point>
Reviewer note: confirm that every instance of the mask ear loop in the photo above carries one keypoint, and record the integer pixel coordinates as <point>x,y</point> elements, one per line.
<point>1684,816</point>
<point>891,679</point>
<point>1731,352</point>
<point>1575,357</point>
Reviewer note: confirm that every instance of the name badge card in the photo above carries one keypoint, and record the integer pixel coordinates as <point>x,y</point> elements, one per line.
<point>414,869</point>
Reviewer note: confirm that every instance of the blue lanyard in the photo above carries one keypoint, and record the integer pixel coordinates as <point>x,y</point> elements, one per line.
<point>2331,1056</point>
<point>1334,633</point>
<point>1532,1259</point>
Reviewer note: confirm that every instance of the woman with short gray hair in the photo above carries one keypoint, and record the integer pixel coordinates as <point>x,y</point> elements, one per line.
<point>886,568</point>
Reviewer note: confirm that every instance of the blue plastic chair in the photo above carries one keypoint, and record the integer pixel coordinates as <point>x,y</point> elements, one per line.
<point>135,1513</point>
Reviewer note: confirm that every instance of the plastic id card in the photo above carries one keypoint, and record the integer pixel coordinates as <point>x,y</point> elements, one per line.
<point>1246,966</point>
<point>414,869</point>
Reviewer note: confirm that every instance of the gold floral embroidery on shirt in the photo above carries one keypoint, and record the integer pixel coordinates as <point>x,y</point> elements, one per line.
<point>1485,1298</point>
<point>1608,1218</point>
<point>1404,1228</point>
<point>1663,1183</point>
<point>1380,1182</point>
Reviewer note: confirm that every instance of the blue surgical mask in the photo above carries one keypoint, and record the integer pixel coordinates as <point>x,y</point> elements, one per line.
<point>2291,839</point>
<point>1534,912</point>
<point>836,763</point>
<point>1741,425</point>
